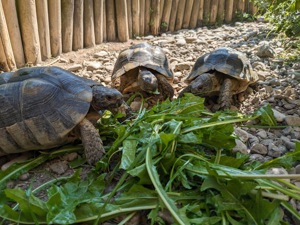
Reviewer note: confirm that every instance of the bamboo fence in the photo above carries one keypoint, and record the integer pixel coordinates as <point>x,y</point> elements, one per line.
<point>35,30</point>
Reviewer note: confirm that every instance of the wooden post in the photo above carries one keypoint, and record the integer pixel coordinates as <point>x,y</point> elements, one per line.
<point>3,62</point>
<point>252,8</point>
<point>54,11</point>
<point>10,12</point>
<point>89,33</point>
<point>78,25</point>
<point>213,12</point>
<point>200,14</point>
<point>122,24</point>
<point>147,16</point>
<point>142,17</point>
<point>135,10</point>
<point>104,21</point>
<point>241,6</point>
<point>43,25</point>
<point>129,17</point>
<point>154,17</point>
<point>180,14</point>
<point>98,22</point>
<point>206,12</point>
<point>194,14</point>
<point>29,30</point>
<point>161,8</point>
<point>165,20</point>
<point>173,15</point>
<point>110,21</point>
<point>221,12</point>
<point>187,13</point>
<point>234,9</point>
<point>228,11</point>
<point>67,10</point>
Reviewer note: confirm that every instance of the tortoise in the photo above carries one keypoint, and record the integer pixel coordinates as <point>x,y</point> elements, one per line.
<point>144,68</point>
<point>223,73</point>
<point>46,107</point>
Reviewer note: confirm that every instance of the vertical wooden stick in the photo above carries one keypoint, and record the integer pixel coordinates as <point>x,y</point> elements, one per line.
<point>213,11</point>
<point>147,16</point>
<point>104,21</point>
<point>142,17</point>
<point>200,14</point>
<point>122,24</point>
<point>161,8</point>
<point>228,11</point>
<point>29,29</point>
<point>110,21</point>
<point>78,25</point>
<point>10,12</point>
<point>67,10</point>
<point>98,22</point>
<point>173,15</point>
<point>3,62</point>
<point>129,17</point>
<point>187,13</point>
<point>165,20</point>
<point>89,32</point>
<point>221,12</point>
<point>180,14</point>
<point>206,12</point>
<point>135,10</point>
<point>194,14</point>
<point>54,10</point>
<point>43,25</point>
<point>154,17</point>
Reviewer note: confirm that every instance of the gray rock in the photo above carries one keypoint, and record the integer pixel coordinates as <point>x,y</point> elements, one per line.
<point>257,157</point>
<point>90,66</point>
<point>59,167</point>
<point>262,134</point>
<point>292,120</point>
<point>74,67</point>
<point>242,134</point>
<point>183,66</point>
<point>101,54</point>
<point>240,147</point>
<point>288,143</point>
<point>264,50</point>
<point>280,117</point>
<point>259,149</point>
<point>274,151</point>
<point>180,42</point>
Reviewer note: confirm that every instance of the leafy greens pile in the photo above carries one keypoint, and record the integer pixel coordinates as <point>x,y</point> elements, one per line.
<point>172,164</point>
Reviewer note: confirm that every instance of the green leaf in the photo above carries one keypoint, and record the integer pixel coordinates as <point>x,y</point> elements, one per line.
<point>266,115</point>
<point>128,152</point>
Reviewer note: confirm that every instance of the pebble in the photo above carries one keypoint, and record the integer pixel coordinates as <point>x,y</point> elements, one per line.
<point>280,117</point>
<point>59,167</point>
<point>262,134</point>
<point>259,149</point>
<point>183,66</point>
<point>292,120</point>
<point>240,147</point>
<point>90,66</point>
<point>74,67</point>
<point>242,134</point>
<point>100,54</point>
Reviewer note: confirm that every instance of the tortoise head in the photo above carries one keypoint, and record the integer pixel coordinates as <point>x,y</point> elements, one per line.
<point>106,98</point>
<point>203,84</point>
<point>147,81</point>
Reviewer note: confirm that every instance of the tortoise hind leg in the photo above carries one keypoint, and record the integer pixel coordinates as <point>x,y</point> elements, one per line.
<point>225,96</point>
<point>92,143</point>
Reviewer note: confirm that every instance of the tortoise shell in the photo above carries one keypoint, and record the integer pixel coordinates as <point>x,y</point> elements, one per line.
<point>40,106</point>
<point>227,61</point>
<point>141,55</point>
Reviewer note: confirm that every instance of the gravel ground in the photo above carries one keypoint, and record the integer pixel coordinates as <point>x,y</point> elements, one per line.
<point>278,85</point>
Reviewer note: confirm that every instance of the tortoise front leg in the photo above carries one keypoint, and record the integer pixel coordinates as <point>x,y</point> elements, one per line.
<point>165,88</point>
<point>225,96</point>
<point>92,143</point>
